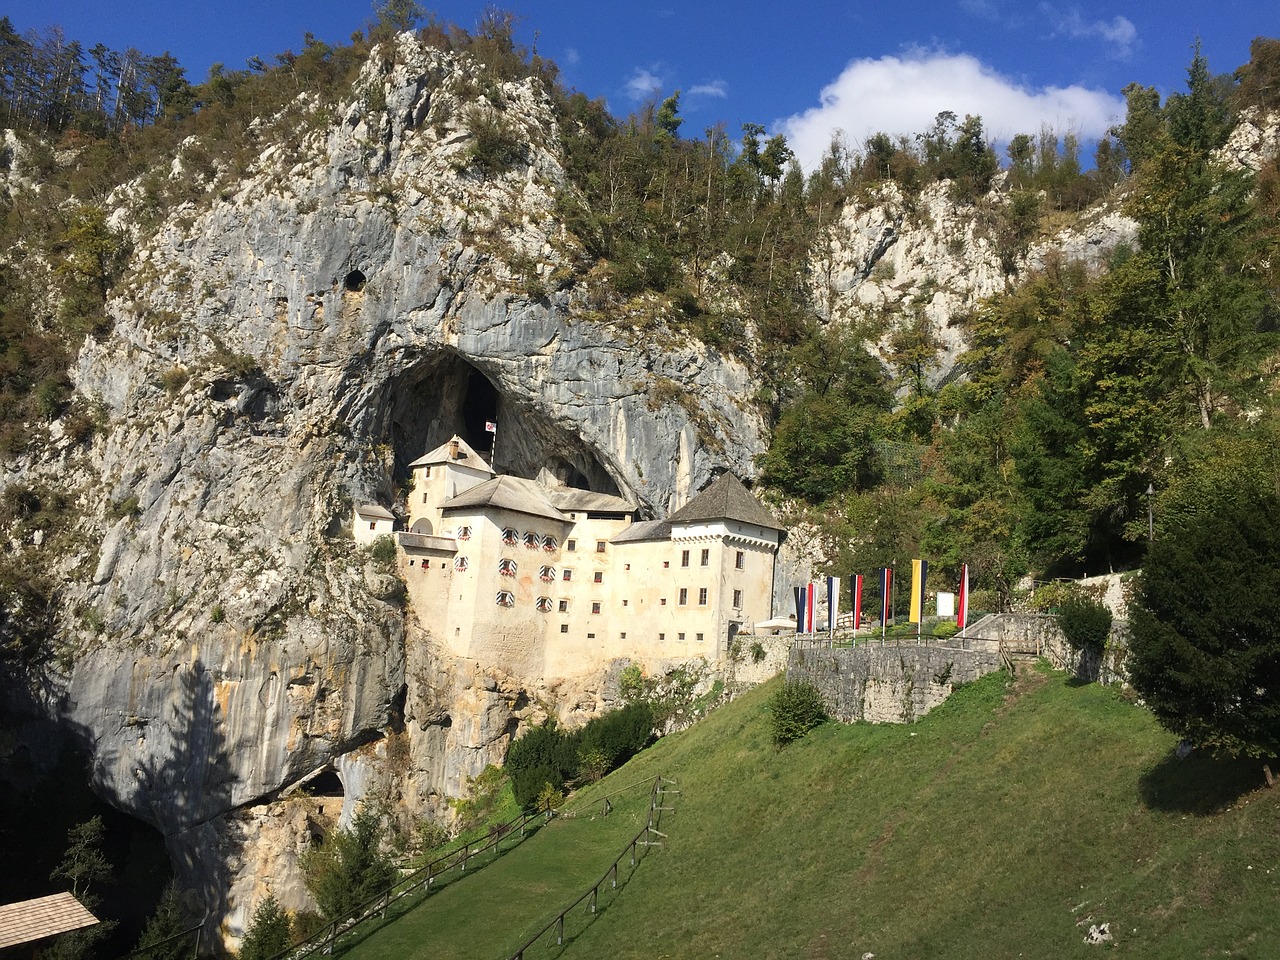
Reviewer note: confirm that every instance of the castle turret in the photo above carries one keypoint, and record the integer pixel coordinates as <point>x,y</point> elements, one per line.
<point>448,470</point>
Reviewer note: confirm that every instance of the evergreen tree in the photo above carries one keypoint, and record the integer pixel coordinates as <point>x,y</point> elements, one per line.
<point>270,932</point>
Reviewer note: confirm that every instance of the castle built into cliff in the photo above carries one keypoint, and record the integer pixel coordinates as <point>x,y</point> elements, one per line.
<point>556,581</point>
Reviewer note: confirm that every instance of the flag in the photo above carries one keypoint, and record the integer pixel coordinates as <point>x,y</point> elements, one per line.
<point>962,613</point>
<point>810,610</point>
<point>919,571</point>
<point>833,602</point>
<point>802,595</point>
<point>857,601</point>
<point>886,588</point>
<point>490,427</point>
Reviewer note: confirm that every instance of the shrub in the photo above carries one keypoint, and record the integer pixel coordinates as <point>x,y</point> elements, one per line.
<point>1085,622</point>
<point>269,932</point>
<point>795,710</point>
<point>383,551</point>
<point>349,867</point>
<point>757,652</point>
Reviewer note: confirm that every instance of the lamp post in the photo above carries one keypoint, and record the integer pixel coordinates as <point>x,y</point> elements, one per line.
<point>1151,513</point>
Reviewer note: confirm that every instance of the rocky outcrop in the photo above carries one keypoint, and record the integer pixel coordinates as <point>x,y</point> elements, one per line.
<point>360,292</point>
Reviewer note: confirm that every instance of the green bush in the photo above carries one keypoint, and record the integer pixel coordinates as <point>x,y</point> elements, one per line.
<point>1085,622</point>
<point>795,710</point>
<point>383,551</point>
<point>269,933</point>
<point>349,867</point>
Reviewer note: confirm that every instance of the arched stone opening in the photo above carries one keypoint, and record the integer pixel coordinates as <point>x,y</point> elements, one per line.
<point>354,282</point>
<point>326,783</point>
<point>443,394</point>
<point>421,526</point>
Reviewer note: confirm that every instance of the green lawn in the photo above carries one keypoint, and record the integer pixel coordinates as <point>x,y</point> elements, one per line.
<point>1001,825</point>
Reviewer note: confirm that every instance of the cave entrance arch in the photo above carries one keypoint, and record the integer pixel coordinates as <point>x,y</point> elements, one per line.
<point>443,394</point>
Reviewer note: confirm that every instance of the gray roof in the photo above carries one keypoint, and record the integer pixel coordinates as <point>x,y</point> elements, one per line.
<point>725,499</point>
<point>373,511</point>
<point>644,530</point>
<point>571,498</point>
<point>466,456</point>
<point>508,493</point>
<point>425,541</point>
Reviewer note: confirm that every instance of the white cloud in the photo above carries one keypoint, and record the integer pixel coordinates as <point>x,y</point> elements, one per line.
<point>1118,31</point>
<point>572,57</point>
<point>643,84</point>
<point>902,95</point>
<point>716,88</point>
<point>982,9</point>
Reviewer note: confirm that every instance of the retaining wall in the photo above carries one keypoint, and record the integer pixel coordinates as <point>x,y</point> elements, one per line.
<point>892,684</point>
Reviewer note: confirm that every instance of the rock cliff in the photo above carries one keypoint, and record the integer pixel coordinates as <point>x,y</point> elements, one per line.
<point>353,298</point>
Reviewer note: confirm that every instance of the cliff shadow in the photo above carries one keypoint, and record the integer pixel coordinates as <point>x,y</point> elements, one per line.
<point>1200,784</point>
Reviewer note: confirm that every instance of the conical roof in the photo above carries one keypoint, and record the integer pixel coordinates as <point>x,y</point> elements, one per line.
<point>725,499</point>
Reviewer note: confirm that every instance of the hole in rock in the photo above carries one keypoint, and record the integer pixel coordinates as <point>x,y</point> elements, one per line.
<point>354,282</point>
<point>443,394</point>
<point>326,784</point>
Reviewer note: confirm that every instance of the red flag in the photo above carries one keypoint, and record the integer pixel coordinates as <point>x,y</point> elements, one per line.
<point>857,601</point>
<point>962,611</point>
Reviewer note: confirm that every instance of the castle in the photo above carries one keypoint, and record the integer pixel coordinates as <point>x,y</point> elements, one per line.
<point>557,581</point>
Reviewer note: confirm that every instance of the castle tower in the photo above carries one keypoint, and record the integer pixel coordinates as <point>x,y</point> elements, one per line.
<point>448,470</point>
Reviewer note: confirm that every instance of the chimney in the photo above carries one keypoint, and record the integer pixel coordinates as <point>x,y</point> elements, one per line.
<point>453,450</point>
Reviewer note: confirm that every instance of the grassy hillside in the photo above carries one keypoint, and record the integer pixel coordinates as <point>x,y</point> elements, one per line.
<point>1002,825</point>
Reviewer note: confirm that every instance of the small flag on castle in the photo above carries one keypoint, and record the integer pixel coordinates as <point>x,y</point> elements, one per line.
<point>489,426</point>
<point>962,612</point>
<point>857,601</point>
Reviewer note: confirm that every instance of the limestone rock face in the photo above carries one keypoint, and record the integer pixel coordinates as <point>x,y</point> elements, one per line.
<point>356,295</point>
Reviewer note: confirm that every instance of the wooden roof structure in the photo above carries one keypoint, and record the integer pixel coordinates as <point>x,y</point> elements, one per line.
<point>29,920</point>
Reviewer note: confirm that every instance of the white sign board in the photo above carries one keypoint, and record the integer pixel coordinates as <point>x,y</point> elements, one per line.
<point>946,604</point>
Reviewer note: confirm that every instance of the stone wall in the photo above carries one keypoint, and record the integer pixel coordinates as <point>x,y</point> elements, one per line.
<point>894,684</point>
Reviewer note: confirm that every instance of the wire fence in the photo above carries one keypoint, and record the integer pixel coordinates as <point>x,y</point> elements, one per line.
<point>633,851</point>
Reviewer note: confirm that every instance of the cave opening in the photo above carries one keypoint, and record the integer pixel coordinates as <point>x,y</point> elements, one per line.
<point>327,783</point>
<point>354,281</point>
<point>444,394</point>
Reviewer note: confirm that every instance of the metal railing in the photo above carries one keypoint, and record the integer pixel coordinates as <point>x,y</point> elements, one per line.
<point>634,848</point>
<point>424,877</point>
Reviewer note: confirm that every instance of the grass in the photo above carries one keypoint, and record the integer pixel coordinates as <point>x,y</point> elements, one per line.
<point>1003,824</point>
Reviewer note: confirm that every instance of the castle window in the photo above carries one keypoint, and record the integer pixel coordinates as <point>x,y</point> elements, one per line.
<point>662,602</point>
<point>564,606</point>
<point>426,471</point>
<point>598,578</point>
<point>532,541</point>
<point>680,636</point>
<point>737,598</point>
<point>460,563</point>
<point>706,558</point>
<point>595,607</point>
<point>624,603</point>
<point>543,604</point>
<point>505,598</point>
<point>510,536</point>
<point>623,635</point>
<point>425,496</point>
<point>684,596</point>
<point>697,637</point>
<point>568,574</point>
<point>591,636</point>
<point>666,564</point>
<point>464,532</point>
<point>684,558</point>
<point>549,543</point>
<point>702,596</point>
<point>739,560</point>
<point>546,574</point>
<point>373,524</point>
<point>661,637</point>
<point>571,544</point>
<point>564,628</point>
<point>507,568</point>
<point>599,546</point>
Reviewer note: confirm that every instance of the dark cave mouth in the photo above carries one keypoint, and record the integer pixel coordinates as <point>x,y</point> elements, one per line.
<point>444,394</point>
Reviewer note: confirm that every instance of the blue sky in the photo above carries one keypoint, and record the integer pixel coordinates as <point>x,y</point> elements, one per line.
<point>803,69</point>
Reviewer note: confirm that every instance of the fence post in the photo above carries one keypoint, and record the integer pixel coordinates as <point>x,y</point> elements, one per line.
<point>594,891</point>
<point>333,935</point>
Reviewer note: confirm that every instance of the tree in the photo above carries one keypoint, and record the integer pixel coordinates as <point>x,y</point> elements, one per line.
<point>84,867</point>
<point>270,931</point>
<point>1204,651</point>
<point>349,867</point>
<point>170,919</point>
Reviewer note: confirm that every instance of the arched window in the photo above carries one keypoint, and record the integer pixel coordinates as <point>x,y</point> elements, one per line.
<point>460,563</point>
<point>544,604</point>
<point>550,543</point>
<point>546,573</point>
<point>510,536</point>
<point>507,568</point>
<point>532,541</point>
<point>505,598</point>
<point>464,532</point>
